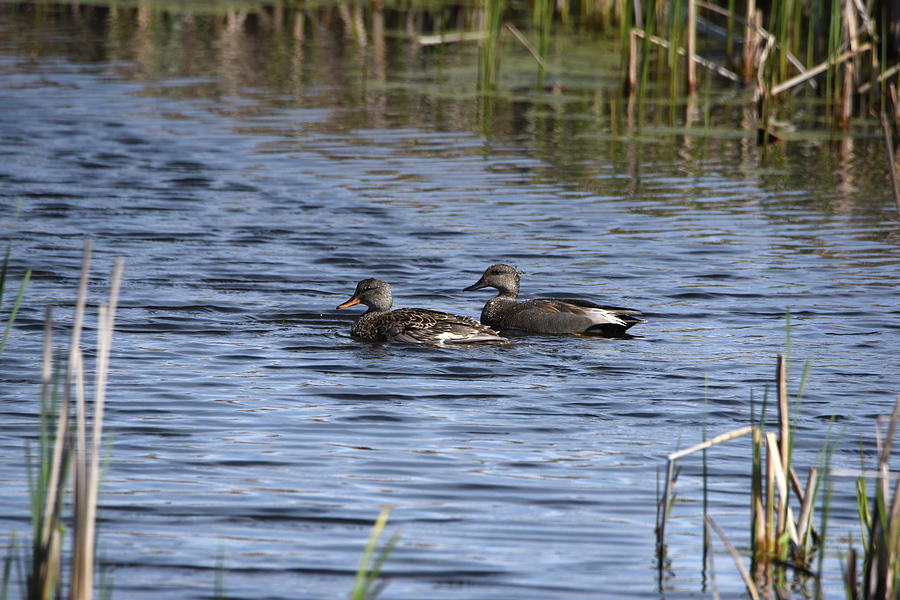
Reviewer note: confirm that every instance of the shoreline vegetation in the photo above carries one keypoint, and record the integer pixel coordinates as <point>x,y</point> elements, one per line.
<point>767,72</point>
<point>845,53</point>
<point>68,454</point>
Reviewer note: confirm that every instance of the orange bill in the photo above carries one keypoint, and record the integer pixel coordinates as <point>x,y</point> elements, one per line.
<point>351,302</point>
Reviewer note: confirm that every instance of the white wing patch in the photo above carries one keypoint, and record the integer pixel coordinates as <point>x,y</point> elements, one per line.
<point>599,315</point>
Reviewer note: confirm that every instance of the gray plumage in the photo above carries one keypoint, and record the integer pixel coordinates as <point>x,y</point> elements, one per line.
<point>416,325</point>
<point>547,315</point>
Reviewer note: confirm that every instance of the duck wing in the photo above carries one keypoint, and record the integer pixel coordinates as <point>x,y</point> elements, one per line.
<point>569,315</point>
<point>608,319</point>
<point>424,326</point>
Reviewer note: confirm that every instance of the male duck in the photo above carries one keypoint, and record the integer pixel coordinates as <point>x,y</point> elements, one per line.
<point>416,325</point>
<point>547,315</point>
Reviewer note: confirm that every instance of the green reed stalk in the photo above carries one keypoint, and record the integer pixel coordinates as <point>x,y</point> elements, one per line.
<point>759,519</point>
<point>705,473</point>
<point>645,59</point>
<point>488,63</point>
<point>16,304</point>
<point>4,270</point>
<point>882,558</point>
<point>825,515</point>
<point>729,34</point>
<point>366,585</point>
<point>543,15</point>
<point>675,36</point>
<point>783,35</point>
<point>588,11</point>
<point>625,25</point>
<point>862,501</point>
<point>832,84</point>
<point>757,516</point>
<point>883,96</point>
<point>797,21</point>
<point>812,33</point>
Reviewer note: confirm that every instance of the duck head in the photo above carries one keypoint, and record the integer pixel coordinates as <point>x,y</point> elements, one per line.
<point>374,293</point>
<point>503,277</point>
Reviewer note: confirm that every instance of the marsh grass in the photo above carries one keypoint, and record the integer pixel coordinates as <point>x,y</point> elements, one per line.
<point>488,53</point>
<point>837,50</point>
<point>367,585</point>
<point>4,270</point>
<point>841,56</point>
<point>880,524</point>
<point>784,542</point>
<point>65,451</point>
<point>779,540</point>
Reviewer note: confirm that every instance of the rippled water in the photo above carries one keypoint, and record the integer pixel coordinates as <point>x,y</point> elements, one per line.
<point>247,424</point>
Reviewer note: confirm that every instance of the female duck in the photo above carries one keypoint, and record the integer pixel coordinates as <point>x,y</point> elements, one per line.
<point>416,325</point>
<point>547,315</point>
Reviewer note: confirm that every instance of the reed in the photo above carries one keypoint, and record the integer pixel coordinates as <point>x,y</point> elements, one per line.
<point>836,49</point>
<point>850,54</point>
<point>488,55</point>
<point>889,157</point>
<point>12,557</point>
<point>779,540</point>
<point>880,523</point>
<point>543,18</point>
<point>4,270</point>
<point>367,586</point>
<point>66,449</point>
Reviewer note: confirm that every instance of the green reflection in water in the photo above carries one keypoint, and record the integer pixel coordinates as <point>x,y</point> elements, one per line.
<point>363,66</point>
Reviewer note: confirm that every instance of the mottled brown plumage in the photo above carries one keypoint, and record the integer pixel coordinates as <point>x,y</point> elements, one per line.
<point>546,315</point>
<point>416,325</point>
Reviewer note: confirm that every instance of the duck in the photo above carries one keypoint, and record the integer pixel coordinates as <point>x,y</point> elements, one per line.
<point>416,325</point>
<point>547,315</point>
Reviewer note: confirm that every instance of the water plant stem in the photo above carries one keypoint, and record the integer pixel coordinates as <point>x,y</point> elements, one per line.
<point>55,462</point>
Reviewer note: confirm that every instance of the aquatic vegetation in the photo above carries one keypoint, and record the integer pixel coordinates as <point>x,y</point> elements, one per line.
<point>782,543</point>
<point>73,450</point>
<point>779,540</point>
<point>847,44</point>
<point>836,62</point>
<point>68,449</point>
<point>880,523</point>
<point>367,585</point>
<point>14,310</point>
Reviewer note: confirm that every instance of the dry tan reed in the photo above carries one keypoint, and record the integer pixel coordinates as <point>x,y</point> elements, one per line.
<point>881,568</point>
<point>72,445</point>
<point>778,538</point>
